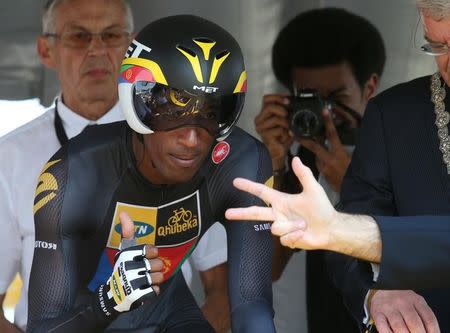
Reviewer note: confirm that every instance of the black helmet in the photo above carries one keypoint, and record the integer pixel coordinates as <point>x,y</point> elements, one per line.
<point>183,71</point>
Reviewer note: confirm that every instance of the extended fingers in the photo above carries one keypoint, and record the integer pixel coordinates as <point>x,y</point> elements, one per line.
<point>263,192</point>
<point>304,174</point>
<point>254,213</point>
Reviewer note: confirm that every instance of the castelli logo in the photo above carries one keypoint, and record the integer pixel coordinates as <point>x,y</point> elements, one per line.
<point>220,151</point>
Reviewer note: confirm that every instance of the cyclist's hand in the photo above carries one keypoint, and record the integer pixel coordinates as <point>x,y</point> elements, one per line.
<point>273,127</point>
<point>135,277</point>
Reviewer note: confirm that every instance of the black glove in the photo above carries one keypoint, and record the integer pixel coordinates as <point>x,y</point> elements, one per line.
<point>130,283</point>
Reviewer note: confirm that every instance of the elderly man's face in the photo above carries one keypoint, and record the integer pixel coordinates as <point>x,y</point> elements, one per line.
<point>88,71</point>
<point>439,32</point>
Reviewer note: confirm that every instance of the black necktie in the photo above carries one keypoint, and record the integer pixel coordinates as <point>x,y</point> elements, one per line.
<point>61,132</point>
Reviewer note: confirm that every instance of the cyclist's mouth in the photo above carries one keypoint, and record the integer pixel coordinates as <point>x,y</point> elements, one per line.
<point>184,161</point>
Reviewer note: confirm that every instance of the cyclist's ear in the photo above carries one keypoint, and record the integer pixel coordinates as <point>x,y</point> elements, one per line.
<point>127,227</point>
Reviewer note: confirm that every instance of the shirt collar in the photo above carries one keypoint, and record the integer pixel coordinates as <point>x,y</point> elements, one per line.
<point>74,123</point>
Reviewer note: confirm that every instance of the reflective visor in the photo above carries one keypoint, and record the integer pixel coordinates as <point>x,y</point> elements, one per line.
<point>164,108</point>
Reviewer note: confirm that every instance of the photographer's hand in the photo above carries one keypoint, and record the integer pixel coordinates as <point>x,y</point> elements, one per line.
<point>273,127</point>
<point>333,162</point>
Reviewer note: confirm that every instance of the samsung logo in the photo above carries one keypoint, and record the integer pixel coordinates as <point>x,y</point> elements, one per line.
<point>262,227</point>
<point>141,229</point>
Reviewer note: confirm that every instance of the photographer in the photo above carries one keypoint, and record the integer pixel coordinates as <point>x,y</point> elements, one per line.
<point>331,62</point>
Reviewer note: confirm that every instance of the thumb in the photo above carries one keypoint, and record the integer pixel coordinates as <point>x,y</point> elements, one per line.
<point>127,227</point>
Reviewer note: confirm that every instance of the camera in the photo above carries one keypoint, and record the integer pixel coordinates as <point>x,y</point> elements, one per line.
<point>305,114</point>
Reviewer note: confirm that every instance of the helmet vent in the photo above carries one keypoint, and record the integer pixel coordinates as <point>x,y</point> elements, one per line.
<point>222,54</point>
<point>187,50</point>
<point>203,40</point>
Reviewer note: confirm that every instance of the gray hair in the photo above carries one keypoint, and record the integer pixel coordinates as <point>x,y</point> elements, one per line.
<point>48,16</point>
<point>436,9</point>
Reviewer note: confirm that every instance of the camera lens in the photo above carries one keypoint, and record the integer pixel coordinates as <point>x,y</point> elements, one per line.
<point>305,117</point>
<point>305,123</point>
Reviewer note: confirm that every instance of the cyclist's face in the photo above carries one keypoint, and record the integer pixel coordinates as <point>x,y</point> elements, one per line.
<point>175,156</point>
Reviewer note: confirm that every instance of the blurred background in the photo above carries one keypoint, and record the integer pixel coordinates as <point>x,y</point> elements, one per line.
<point>26,87</point>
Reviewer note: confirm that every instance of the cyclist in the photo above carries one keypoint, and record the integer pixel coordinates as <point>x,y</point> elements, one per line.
<point>182,88</point>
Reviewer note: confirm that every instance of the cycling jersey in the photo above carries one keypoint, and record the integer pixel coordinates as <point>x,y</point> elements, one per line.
<point>90,181</point>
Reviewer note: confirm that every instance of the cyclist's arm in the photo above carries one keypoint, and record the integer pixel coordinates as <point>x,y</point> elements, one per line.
<point>55,273</point>
<point>249,244</point>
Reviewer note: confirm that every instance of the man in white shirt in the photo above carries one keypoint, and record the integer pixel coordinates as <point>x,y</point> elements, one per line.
<point>84,42</point>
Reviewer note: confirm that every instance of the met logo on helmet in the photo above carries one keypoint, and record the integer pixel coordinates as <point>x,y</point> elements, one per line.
<point>206,89</point>
<point>135,49</point>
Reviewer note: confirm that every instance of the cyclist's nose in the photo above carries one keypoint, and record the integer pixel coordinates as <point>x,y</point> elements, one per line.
<point>189,136</point>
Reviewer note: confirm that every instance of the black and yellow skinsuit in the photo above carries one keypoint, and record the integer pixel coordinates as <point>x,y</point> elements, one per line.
<point>84,187</point>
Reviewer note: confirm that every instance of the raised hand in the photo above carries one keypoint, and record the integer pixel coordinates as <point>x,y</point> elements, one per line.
<point>301,220</point>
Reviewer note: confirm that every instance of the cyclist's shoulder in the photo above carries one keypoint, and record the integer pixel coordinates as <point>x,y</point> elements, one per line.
<point>239,148</point>
<point>239,155</point>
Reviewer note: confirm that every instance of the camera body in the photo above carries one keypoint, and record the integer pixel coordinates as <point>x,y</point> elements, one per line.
<point>305,114</point>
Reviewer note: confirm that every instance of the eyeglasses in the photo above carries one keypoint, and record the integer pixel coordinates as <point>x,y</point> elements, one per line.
<point>82,39</point>
<point>435,48</point>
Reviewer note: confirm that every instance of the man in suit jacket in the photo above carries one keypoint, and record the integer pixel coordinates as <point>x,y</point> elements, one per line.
<point>401,167</point>
<point>397,169</point>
